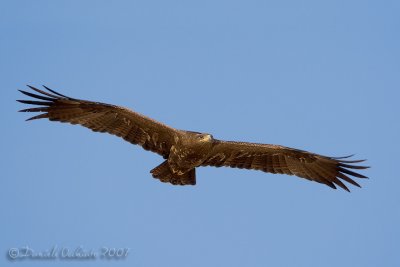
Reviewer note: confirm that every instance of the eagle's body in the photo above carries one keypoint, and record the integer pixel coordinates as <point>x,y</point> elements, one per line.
<point>190,150</point>
<point>183,151</point>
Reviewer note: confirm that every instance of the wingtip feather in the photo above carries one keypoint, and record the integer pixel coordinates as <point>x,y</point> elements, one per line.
<point>351,173</point>
<point>54,92</point>
<point>40,116</point>
<point>43,92</point>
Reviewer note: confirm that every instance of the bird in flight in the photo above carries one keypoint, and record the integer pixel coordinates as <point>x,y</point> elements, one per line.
<point>183,151</point>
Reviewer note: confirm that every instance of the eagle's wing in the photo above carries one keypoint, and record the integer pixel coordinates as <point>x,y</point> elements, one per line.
<point>284,160</point>
<point>131,126</point>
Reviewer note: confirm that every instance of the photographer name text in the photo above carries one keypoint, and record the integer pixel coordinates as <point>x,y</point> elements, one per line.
<point>67,253</point>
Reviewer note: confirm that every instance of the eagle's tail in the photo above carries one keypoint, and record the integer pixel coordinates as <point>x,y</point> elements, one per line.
<point>165,175</point>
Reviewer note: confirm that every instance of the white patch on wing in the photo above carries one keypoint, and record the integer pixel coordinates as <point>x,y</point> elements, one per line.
<point>220,156</point>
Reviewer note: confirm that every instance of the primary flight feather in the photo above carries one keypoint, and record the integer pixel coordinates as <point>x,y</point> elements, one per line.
<point>183,151</point>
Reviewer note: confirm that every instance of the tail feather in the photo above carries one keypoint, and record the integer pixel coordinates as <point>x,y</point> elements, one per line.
<point>165,175</point>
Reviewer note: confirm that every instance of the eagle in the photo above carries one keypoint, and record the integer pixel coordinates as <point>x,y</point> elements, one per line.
<point>183,151</point>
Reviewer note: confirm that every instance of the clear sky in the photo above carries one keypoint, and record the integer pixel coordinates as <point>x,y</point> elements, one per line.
<point>323,76</point>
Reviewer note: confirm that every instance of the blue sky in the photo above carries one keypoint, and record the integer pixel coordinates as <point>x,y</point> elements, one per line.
<point>316,75</point>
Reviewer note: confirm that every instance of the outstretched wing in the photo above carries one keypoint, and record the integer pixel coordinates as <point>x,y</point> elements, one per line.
<point>284,160</point>
<point>99,117</point>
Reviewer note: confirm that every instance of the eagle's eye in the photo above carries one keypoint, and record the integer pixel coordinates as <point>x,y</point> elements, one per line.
<point>204,136</point>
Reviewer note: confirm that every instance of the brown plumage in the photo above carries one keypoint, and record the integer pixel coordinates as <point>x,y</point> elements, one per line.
<point>183,151</point>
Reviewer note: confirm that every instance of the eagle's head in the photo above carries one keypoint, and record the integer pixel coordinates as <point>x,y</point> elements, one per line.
<point>204,137</point>
<point>190,138</point>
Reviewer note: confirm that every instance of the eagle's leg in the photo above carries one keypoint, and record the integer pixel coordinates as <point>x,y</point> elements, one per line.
<point>164,173</point>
